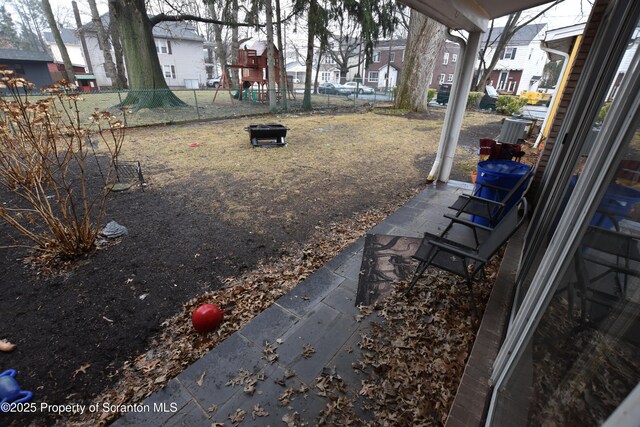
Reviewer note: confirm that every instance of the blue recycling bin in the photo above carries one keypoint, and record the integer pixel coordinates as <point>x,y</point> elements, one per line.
<point>500,173</point>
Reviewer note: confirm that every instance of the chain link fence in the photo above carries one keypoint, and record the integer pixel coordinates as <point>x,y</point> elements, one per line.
<point>148,107</point>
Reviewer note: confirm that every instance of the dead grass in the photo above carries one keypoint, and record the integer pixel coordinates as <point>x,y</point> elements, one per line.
<point>328,158</point>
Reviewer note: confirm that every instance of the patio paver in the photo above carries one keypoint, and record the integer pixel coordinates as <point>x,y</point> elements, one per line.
<point>320,311</point>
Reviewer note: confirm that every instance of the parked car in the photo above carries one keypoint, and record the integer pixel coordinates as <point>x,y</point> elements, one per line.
<point>214,82</point>
<point>488,101</point>
<point>359,87</point>
<point>442,97</point>
<point>333,89</point>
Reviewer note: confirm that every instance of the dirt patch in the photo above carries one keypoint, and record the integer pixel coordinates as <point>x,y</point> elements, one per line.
<point>210,211</point>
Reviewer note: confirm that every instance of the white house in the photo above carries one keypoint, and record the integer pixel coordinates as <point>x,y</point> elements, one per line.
<point>521,61</point>
<point>71,42</point>
<point>179,50</point>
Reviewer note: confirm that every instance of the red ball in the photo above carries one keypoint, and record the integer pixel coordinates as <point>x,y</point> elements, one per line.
<point>206,318</point>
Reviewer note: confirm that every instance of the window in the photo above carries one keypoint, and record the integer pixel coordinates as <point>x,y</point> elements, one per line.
<point>325,76</point>
<point>403,55</point>
<point>328,60</point>
<point>509,53</point>
<point>372,76</point>
<point>454,57</point>
<point>392,57</point>
<point>163,46</point>
<point>512,86</point>
<point>442,77</point>
<point>169,71</point>
<point>446,58</point>
<point>450,79</point>
<point>376,56</point>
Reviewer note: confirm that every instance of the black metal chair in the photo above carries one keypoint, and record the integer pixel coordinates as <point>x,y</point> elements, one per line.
<point>491,210</point>
<point>464,260</point>
<point>605,252</point>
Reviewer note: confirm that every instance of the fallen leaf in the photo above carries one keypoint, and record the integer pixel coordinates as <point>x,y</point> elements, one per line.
<point>258,411</point>
<point>81,369</point>
<point>201,379</point>
<point>307,351</point>
<point>238,416</point>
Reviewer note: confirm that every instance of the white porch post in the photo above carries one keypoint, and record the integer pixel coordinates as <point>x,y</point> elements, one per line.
<point>441,168</point>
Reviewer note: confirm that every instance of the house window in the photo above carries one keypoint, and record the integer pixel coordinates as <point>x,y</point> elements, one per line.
<point>392,57</point>
<point>163,46</point>
<point>446,58</point>
<point>328,60</point>
<point>509,53</point>
<point>169,71</point>
<point>403,55</point>
<point>442,77</point>
<point>325,76</point>
<point>376,56</point>
<point>454,57</point>
<point>450,78</point>
<point>512,86</point>
<point>372,76</point>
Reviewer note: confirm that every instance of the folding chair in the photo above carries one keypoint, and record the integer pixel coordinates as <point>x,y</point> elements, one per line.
<point>491,210</point>
<point>463,260</point>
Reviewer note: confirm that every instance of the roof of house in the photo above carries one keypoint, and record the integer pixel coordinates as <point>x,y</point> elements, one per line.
<point>390,64</point>
<point>167,30</point>
<point>25,55</point>
<point>68,36</point>
<point>522,37</point>
<point>395,44</point>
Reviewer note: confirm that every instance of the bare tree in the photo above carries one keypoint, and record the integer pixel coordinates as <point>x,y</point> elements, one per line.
<point>105,46</point>
<point>346,45</point>
<point>53,25</point>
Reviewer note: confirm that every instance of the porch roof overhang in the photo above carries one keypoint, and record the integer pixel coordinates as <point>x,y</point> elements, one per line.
<point>469,15</point>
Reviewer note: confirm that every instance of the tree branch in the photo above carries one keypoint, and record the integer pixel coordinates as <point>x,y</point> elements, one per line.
<point>525,23</point>
<point>162,17</point>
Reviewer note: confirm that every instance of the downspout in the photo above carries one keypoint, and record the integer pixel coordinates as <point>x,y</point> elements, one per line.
<point>455,113</point>
<point>435,169</point>
<point>556,98</point>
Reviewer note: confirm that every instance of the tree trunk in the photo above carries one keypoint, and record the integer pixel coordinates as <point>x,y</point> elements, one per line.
<point>103,42</point>
<point>235,45</point>
<point>271,59</point>
<point>146,79</point>
<point>117,50</point>
<point>283,64</point>
<point>424,43</point>
<point>306,100</point>
<point>85,49</point>
<point>53,25</point>
<point>221,49</point>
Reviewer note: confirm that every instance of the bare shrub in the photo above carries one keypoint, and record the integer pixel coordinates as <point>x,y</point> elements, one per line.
<point>44,149</point>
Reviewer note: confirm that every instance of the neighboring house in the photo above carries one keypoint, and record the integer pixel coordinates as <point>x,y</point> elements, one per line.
<point>521,60</point>
<point>179,50</point>
<point>385,69</point>
<point>445,67</point>
<point>328,73</point>
<point>71,42</point>
<point>85,80</point>
<point>31,65</point>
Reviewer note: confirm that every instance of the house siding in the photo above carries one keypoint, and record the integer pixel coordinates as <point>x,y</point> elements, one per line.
<point>448,69</point>
<point>186,57</point>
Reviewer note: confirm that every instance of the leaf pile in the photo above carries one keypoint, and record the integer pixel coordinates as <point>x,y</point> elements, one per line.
<point>178,345</point>
<point>414,358</point>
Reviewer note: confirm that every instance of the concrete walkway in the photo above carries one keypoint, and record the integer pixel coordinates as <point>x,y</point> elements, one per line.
<point>319,312</point>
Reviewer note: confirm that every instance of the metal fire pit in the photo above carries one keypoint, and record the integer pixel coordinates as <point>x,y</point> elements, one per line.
<point>269,135</point>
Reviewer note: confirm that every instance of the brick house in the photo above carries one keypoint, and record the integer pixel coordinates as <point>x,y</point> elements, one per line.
<point>446,63</point>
